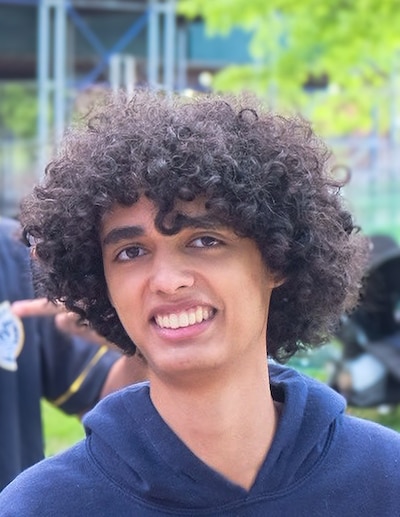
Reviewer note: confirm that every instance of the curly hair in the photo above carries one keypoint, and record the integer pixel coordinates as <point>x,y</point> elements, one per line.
<point>264,175</point>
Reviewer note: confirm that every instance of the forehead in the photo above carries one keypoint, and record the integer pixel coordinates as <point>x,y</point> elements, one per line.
<point>144,211</point>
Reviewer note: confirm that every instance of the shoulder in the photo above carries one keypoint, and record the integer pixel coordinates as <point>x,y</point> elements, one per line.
<point>368,446</point>
<point>11,239</point>
<point>365,457</point>
<point>46,488</point>
<point>8,226</point>
<point>10,232</point>
<point>369,430</point>
<point>15,271</point>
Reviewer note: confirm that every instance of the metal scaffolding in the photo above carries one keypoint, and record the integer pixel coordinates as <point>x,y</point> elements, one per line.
<point>161,64</point>
<point>158,16</point>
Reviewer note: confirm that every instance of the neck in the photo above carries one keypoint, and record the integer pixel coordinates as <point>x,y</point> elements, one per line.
<point>228,425</point>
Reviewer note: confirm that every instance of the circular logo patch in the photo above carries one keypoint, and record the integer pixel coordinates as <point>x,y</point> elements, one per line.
<point>11,337</point>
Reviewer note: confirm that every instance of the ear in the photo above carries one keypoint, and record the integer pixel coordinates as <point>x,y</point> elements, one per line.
<point>275,280</point>
<point>279,281</point>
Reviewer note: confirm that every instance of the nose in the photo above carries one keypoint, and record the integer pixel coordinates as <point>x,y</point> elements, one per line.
<point>170,274</point>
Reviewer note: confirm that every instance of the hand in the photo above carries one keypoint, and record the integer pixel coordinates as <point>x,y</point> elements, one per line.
<point>65,321</point>
<point>124,371</point>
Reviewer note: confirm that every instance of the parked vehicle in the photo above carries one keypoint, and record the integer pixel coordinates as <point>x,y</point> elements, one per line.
<point>368,371</point>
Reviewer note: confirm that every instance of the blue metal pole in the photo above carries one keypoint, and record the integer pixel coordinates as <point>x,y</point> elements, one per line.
<point>60,40</point>
<point>43,70</point>
<point>85,30</point>
<point>120,45</point>
<point>181,44</point>
<point>153,45</point>
<point>169,45</point>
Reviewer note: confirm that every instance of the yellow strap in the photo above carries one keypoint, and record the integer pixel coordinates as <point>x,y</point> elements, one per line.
<point>75,386</point>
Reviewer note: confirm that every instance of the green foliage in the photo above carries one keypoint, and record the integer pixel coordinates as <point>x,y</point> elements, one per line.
<point>18,110</point>
<point>356,44</point>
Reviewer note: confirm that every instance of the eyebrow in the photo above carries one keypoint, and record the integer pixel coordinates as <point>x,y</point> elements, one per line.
<point>130,232</point>
<point>122,233</point>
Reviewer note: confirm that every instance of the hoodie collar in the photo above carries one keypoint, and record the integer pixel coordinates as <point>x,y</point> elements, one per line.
<point>128,439</point>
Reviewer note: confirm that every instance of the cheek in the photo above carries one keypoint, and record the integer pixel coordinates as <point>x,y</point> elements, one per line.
<point>118,295</point>
<point>125,296</point>
<point>257,289</point>
<point>126,309</point>
<point>255,297</point>
<point>110,286</point>
<point>117,290</point>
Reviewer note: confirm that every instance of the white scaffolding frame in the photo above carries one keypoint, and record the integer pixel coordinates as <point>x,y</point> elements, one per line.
<point>52,57</point>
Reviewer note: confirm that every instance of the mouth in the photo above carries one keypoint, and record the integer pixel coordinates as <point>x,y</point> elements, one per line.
<point>184,319</point>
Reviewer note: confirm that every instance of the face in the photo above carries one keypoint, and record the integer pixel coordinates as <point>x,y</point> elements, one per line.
<point>194,302</point>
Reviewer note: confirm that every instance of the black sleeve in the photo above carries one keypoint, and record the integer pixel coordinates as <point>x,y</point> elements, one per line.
<point>74,370</point>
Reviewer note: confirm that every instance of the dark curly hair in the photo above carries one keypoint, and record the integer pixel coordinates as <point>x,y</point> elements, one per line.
<point>264,175</point>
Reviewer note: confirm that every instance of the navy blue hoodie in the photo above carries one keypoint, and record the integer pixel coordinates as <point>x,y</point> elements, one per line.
<point>322,463</point>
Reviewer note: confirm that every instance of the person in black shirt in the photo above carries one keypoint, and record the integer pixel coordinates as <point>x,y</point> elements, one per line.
<point>38,360</point>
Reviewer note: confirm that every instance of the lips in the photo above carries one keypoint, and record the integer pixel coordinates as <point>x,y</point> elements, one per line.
<point>185,318</point>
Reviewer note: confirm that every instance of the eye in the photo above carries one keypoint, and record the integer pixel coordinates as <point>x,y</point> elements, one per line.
<point>206,241</point>
<point>130,253</point>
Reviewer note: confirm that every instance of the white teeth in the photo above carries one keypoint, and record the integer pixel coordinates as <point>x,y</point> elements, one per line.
<point>184,318</point>
<point>199,314</point>
<point>174,321</point>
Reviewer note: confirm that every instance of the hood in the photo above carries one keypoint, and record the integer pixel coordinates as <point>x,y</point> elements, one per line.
<point>129,441</point>
<point>309,414</point>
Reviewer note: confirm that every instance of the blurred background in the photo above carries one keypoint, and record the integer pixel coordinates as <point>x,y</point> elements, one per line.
<point>335,62</point>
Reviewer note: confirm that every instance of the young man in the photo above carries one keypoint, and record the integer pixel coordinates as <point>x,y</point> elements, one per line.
<point>38,360</point>
<point>209,233</point>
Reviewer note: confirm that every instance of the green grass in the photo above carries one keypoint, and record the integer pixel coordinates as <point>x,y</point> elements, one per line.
<point>391,419</point>
<point>60,430</point>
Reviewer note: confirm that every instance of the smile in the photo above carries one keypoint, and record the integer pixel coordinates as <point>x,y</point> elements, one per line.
<point>185,318</point>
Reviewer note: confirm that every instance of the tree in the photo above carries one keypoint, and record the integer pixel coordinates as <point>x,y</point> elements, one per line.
<point>351,45</point>
<point>18,110</point>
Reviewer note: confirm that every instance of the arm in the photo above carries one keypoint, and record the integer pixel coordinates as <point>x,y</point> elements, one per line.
<point>94,370</point>
<point>65,321</point>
